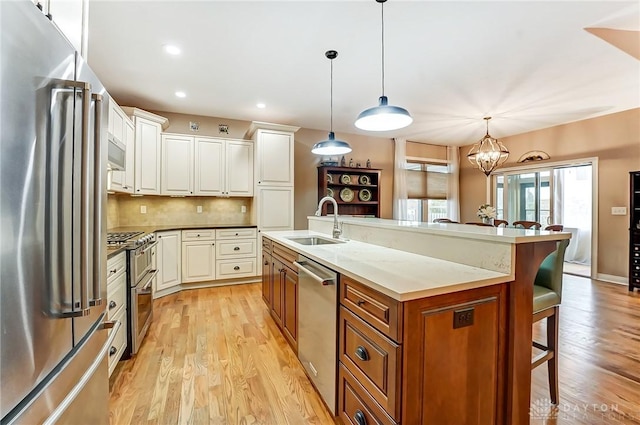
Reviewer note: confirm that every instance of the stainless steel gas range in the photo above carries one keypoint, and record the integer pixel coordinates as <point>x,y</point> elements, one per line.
<point>140,273</point>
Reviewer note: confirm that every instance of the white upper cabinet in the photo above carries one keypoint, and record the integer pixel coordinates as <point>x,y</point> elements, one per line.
<point>71,18</point>
<point>177,165</point>
<point>209,167</point>
<point>122,129</point>
<point>239,168</point>
<point>275,158</point>
<point>148,128</point>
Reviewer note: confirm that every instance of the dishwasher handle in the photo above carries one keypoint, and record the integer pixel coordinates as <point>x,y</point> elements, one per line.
<point>303,265</point>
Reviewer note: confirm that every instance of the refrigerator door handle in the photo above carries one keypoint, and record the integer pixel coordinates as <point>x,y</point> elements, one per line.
<point>73,394</point>
<point>86,257</point>
<point>97,208</point>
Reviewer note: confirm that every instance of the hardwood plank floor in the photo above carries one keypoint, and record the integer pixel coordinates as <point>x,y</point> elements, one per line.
<point>214,356</point>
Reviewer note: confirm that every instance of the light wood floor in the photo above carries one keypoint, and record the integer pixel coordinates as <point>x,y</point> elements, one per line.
<point>214,356</point>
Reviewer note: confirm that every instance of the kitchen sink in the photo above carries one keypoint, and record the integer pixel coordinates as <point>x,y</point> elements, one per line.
<point>315,240</point>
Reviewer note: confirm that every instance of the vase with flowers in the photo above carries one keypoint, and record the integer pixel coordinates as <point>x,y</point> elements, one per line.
<point>487,213</point>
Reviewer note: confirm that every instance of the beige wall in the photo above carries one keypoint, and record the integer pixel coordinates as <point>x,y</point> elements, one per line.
<point>422,150</point>
<point>614,139</point>
<point>124,210</point>
<point>377,149</point>
<point>179,123</point>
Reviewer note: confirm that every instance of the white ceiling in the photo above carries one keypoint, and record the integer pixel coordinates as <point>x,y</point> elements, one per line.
<point>530,65</point>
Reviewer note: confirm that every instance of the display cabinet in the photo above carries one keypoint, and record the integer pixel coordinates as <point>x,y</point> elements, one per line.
<point>356,190</point>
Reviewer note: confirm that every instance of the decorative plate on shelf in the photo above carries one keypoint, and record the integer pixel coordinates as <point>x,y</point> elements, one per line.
<point>364,179</point>
<point>330,192</point>
<point>329,178</point>
<point>364,195</point>
<point>345,179</point>
<point>346,194</point>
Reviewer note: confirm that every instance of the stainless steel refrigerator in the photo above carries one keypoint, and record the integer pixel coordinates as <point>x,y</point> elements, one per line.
<point>53,333</point>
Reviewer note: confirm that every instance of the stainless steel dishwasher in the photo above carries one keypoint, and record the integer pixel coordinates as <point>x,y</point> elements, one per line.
<point>317,311</point>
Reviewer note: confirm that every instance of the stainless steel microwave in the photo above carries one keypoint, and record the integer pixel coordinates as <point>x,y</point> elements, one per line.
<point>117,154</point>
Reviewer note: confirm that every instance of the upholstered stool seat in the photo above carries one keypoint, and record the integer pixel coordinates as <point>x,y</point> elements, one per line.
<point>544,298</point>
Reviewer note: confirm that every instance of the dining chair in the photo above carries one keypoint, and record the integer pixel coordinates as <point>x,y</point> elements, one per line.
<point>527,224</point>
<point>477,223</point>
<point>547,295</point>
<point>498,223</point>
<point>443,220</point>
<point>555,227</point>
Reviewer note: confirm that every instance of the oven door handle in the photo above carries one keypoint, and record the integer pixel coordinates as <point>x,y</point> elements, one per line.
<point>151,245</point>
<point>151,274</point>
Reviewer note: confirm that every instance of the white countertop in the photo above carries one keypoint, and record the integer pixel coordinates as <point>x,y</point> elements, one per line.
<point>401,275</point>
<point>467,231</point>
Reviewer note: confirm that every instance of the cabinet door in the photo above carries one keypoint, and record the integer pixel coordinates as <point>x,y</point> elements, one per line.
<point>168,260</point>
<point>177,165</point>
<point>277,270</point>
<point>275,208</point>
<point>129,171</point>
<point>147,157</point>
<point>239,159</point>
<point>116,130</point>
<point>198,261</point>
<point>290,305</point>
<point>67,15</point>
<point>209,167</point>
<point>275,158</point>
<point>267,276</point>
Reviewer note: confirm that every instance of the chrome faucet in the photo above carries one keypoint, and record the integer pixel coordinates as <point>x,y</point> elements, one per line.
<point>336,229</point>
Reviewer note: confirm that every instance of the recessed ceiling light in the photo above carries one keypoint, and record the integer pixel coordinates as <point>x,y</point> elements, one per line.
<point>171,49</point>
<point>261,105</point>
<point>181,94</point>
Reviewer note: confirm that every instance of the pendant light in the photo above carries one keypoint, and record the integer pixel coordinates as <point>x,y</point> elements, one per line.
<point>383,117</point>
<point>488,154</point>
<point>331,146</point>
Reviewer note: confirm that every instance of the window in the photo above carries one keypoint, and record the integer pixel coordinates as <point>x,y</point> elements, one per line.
<point>427,183</point>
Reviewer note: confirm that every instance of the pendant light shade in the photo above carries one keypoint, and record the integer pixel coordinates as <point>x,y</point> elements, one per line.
<point>488,154</point>
<point>383,117</point>
<point>331,146</point>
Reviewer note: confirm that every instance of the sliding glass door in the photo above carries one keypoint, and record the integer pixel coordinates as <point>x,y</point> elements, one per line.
<point>525,196</point>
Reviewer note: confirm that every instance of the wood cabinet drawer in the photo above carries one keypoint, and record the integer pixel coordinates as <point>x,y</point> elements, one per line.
<point>236,233</point>
<point>116,295</point>
<point>373,359</point>
<point>380,311</point>
<point>242,267</point>
<point>198,235</point>
<point>267,245</point>
<point>115,266</point>
<point>119,342</point>
<point>355,405</point>
<point>236,248</point>
<point>286,255</point>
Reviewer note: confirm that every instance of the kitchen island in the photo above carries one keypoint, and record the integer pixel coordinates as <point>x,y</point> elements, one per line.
<point>434,319</point>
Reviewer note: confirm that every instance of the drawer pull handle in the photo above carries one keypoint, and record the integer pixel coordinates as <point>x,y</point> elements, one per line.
<point>113,271</point>
<point>112,351</point>
<point>360,302</point>
<point>236,268</point>
<point>362,353</point>
<point>112,305</point>
<point>360,418</point>
<point>237,248</point>
<point>266,263</point>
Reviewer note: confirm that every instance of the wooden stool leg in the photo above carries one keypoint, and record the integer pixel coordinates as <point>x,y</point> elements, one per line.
<point>552,342</point>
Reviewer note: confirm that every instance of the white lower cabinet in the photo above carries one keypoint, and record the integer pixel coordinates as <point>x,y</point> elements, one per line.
<point>168,254</point>
<point>198,261</point>
<point>117,305</point>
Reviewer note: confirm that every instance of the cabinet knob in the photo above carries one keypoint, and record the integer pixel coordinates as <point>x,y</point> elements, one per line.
<point>112,350</point>
<point>362,353</point>
<point>112,305</point>
<point>360,302</point>
<point>236,234</point>
<point>360,418</point>
<point>236,268</point>
<point>237,248</point>
<point>198,235</point>
<point>113,271</point>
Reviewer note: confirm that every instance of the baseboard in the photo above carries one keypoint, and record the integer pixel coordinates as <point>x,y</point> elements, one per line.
<point>620,280</point>
<point>205,284</point>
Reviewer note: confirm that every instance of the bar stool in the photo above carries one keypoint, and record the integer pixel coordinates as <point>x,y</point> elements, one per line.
<point>547,295</point>
<point>498,222</point>
<point>555,227</point>
<point>527,224</point>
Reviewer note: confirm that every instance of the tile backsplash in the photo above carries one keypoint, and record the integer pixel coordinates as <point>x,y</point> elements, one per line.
<point>125,210</point>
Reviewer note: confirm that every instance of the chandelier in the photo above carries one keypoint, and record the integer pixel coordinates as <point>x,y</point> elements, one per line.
<point>488,154</point>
